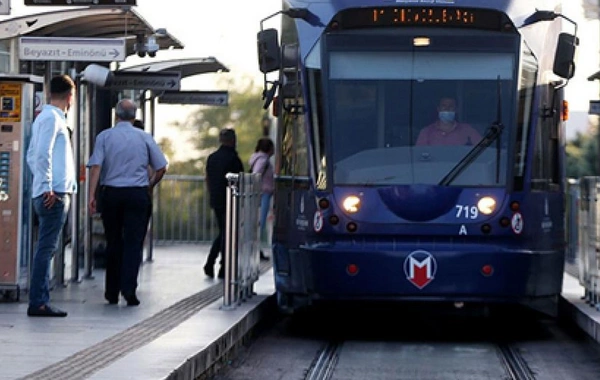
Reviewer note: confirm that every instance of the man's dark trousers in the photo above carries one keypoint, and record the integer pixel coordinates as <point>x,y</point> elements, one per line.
<point>218,244</point>
<point>124,216</point>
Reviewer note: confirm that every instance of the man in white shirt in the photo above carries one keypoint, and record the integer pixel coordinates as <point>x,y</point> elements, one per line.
<point>50,159</point>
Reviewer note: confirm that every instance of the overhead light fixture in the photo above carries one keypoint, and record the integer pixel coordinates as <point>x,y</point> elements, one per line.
<point>421,41</point>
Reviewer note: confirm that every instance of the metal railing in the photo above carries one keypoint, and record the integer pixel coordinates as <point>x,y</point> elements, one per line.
<point>242,264</point>
<point>584,243</point>
<point>182,213</point>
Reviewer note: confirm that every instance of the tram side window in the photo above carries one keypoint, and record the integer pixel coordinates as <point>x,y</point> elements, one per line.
<point>287,141</point>
<point>318,133</point>
<point>546,170</point>
<point>545,175</point>
<point>294,149</point>
<point>301,164</point>
<point>527,84</point>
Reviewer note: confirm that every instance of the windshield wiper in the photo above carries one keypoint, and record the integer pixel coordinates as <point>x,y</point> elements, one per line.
<point>491,135</point>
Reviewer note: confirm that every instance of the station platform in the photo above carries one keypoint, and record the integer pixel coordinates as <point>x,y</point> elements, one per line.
<point>180,329</point>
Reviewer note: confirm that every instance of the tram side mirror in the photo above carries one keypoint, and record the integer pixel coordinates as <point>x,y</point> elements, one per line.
<point>564,59</point>
<point>97,75</point>
<point>269,55</point>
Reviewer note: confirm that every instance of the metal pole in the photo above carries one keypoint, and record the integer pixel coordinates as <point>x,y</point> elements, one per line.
<point>75,209</point>
<point>150,236</point>
<point>597,13</point>
<point>88,254</point>
<point>229,286</point>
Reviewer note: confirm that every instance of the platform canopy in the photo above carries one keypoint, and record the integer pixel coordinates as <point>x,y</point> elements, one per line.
<point>187,67</point>
<point>594,76</point>
<point>93,22</point>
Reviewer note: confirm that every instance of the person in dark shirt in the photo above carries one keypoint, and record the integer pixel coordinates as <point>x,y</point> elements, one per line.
<point>222,161</point>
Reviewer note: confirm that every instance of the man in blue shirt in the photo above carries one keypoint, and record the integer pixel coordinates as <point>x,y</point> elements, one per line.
<point>119,164</point>
<point>50,158</point>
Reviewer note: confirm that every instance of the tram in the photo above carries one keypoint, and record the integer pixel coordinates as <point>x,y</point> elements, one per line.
<point>420,150</point>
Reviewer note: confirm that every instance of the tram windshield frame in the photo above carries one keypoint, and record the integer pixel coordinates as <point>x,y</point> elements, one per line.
<point>382,92</point>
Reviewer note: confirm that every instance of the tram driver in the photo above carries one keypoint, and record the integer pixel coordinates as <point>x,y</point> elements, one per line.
<point>447,130</point>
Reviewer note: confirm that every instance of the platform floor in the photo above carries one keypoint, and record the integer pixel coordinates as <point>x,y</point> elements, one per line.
<point>100,341</point>
<point>152,341</point>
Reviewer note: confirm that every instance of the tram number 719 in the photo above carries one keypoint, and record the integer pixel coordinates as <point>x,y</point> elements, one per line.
<point>466,212</point>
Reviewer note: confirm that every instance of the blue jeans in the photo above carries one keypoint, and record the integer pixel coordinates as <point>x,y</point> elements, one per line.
<point>51,222</point>
<point>265,204</point>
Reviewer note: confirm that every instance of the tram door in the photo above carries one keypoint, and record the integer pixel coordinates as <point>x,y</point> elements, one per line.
<point>17,107</point>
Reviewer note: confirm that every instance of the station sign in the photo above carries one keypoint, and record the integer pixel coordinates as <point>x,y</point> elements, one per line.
<point>72,49</point>
<point>80,2</point>
<point>160,81</point>
<point>594,107</point>
<point>211,98</point>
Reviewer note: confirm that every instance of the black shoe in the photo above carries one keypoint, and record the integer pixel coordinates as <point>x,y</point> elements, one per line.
<point>131,299</point>
<point>221,274</point>
<point>263,257</point>
<point>112,299</point>
<point>45,311</point>
<point>209,271</point>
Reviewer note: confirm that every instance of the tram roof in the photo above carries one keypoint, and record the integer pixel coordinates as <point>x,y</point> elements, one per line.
<point>90,22</point>
<point>518,10</point>
<point>188,66</point>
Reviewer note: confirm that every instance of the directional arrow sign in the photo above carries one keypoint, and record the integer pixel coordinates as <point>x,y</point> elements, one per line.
<point>72,49</point>
<point>162,80</point>
<point>211,98</point>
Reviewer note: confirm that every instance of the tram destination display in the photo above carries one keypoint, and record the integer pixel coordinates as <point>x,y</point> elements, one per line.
<point>420,16</point>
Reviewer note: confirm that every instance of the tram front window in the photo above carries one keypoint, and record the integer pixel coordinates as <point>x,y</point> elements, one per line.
<point>410,117</point>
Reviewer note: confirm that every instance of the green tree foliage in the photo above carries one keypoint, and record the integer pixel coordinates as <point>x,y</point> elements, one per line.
<point>244,114</point>
<point>185,202</point>
<point>582,156</point>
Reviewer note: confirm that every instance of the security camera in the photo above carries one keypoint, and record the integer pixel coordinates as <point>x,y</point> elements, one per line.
<point>151,46</point>
<point>97,75</point>
<point>140,46</point>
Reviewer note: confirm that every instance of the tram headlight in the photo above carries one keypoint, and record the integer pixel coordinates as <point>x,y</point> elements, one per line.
<point>351,204</point>
<point>486,205</point>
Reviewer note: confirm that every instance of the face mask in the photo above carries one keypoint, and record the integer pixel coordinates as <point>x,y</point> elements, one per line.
<point>447,116</point>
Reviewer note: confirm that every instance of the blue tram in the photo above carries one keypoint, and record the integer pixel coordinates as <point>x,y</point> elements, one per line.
<point>420,149</point>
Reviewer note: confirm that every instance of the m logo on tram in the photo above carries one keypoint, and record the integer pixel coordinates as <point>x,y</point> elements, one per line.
<point>420,268</point>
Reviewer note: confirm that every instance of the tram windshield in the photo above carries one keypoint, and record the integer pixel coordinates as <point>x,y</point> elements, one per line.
<point>402,114</point>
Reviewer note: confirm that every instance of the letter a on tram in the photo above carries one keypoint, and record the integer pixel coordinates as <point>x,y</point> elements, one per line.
<point>420,268</point>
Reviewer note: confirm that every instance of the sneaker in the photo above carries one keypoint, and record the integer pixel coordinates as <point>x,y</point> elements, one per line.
<point>45,311</point>
<point>263,257</point>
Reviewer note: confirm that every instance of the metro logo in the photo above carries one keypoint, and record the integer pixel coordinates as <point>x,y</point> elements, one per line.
<point>420,268</point>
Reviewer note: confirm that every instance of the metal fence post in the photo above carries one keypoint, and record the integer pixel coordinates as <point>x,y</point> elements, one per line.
<point>230,286</point>
<point>595,251</point>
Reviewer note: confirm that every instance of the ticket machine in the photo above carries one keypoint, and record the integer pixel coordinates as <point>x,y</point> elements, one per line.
<point>18,97</point>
